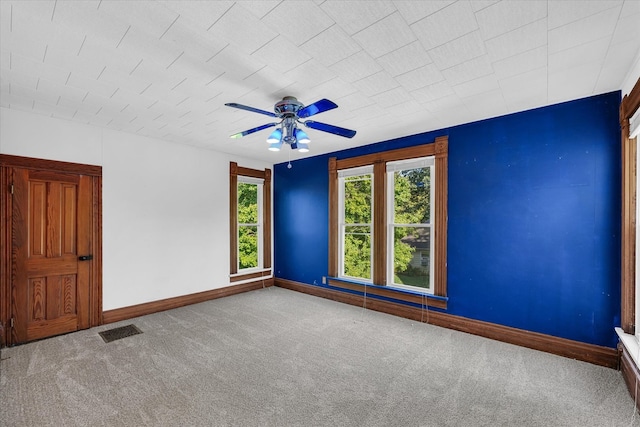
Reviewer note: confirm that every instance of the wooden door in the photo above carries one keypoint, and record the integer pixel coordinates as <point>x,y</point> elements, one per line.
<point>51,253</point>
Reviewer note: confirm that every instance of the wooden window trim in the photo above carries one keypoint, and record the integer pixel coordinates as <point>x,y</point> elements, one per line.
<point>442,215</point>
<point>629,105</point>
<point>333,217</point>
<point>265,175</point>
<point>379,222</point>
<point>439,149</point>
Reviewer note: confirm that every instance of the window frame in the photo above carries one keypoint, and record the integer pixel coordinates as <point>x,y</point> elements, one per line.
<point>629,283</point>
<point>243,174</point>
<point>635,320</point>
<point>629,330</point>
<point>439,149</point>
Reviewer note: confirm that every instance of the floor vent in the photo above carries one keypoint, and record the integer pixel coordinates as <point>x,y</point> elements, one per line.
<point>118,333</point>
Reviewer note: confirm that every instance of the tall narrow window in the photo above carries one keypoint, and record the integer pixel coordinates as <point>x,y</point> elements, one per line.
<point>410,231</point>
<point>356,222</point>
<point>249,223</point>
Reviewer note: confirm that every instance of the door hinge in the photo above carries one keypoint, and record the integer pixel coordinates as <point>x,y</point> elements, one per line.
<point>11,189</point>
<point>12,322</point>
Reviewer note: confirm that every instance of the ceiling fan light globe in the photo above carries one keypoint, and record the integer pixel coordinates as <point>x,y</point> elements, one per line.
<point>275,137</point>
<point>275,147</point>
<point>302,137</point>
<point>303,147</point>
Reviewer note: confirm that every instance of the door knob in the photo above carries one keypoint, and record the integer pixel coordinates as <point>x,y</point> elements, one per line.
<point>85,258</point>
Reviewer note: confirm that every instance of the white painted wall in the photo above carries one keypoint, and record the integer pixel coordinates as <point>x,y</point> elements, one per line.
<point>632,76</point>
<point>165,206</point>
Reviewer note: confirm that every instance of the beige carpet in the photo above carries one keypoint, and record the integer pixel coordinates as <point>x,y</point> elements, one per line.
<point>274,357</point>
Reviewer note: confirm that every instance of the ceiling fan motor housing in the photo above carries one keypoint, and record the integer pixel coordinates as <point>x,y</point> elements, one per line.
<point>289,106</point>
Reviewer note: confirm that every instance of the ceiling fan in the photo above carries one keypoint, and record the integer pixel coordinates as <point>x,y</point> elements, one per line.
<point>290,111</point>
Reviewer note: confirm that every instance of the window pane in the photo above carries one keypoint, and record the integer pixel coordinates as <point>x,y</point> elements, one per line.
<point>411,196</point>
<point>247,246</point>
<point>357,199</point>
<point>247,203</point>
<point>357,220</point>
<point>412,256</point>
<point>357,251</point>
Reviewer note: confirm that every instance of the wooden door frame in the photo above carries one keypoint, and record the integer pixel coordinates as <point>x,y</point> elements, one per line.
<point>7,162</point>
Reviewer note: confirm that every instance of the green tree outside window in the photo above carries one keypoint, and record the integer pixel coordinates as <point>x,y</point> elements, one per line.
<point>412,209</point>
<point>248,217</point>
<point>358,226</point>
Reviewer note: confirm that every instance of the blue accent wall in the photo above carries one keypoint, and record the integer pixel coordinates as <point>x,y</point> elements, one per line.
<point>534,218</point>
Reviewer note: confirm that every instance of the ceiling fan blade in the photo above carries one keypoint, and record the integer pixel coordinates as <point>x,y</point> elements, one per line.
<point>317,107</point>
<point>255,110</point>
<point>347,133</point>
<point>249,131</point>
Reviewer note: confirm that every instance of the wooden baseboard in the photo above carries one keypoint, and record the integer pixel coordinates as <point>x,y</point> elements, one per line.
<point>631,374</point>
<point>130,312</point>
<point>595,354</point>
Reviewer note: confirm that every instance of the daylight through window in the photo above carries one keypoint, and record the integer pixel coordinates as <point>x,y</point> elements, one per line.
<point>388,222</point>
<point>356,223</point>
<point>249,223</point>
<point>410,244</point>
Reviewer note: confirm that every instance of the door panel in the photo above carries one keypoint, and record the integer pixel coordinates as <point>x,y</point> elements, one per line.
<point>52,220</point>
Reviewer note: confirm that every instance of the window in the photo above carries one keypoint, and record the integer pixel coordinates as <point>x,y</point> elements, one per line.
<point>388,223</point>
<point>356,223</point>
<point>249,223</point>
<point>409,199</point>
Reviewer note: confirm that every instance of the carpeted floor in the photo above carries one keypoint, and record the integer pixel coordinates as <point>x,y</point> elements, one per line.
<point>275,357</point>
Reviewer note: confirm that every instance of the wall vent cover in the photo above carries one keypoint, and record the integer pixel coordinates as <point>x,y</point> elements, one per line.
<point>118,333</point>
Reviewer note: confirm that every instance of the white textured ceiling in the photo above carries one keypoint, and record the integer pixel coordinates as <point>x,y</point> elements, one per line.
<point>165,69</point>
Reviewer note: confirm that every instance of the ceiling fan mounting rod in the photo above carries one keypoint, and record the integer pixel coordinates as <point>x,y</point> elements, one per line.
<point>288,130</point>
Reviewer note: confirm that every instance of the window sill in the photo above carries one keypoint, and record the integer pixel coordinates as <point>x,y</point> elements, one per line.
<point>631,344</point>
<point>403,295</point>
<point>251,274</point>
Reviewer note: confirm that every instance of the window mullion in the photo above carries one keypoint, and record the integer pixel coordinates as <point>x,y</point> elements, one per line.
<point>379,224</point>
